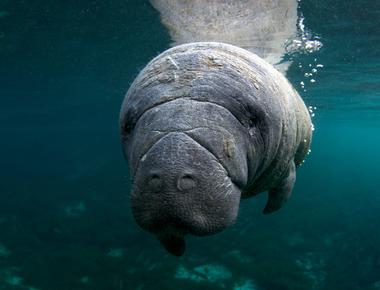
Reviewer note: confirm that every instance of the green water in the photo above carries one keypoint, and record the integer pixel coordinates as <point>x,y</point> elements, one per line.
<point>65,221</point>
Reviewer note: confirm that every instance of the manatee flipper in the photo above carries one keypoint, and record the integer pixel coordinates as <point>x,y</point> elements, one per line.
<point>173,244</point>
<point>278,195</point>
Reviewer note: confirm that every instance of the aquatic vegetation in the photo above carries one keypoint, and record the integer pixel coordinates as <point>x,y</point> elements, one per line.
<point>115,253</point>
<point>10,279</point>
<point>313,268</point>
<point>211,272</point>
<point>75,209</point>
<point>245,285</point>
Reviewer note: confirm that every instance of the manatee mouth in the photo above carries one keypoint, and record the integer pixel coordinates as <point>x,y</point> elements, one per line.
<point>174,244</point>
<point>171,235</point>
<point>181,188</point>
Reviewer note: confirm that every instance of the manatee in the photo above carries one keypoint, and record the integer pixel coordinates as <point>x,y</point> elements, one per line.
<point>203,126</point>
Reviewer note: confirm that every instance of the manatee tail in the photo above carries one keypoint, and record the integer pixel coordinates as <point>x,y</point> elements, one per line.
<point>261,26</point>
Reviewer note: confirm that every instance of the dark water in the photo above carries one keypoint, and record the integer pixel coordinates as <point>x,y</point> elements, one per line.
<point>65,221</point>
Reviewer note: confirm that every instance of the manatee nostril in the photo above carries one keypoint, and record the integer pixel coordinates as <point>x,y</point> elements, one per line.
<point>155,183</point>
<point>186,182</point>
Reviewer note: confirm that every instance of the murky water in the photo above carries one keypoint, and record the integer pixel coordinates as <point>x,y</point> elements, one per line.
<point>65,221</point>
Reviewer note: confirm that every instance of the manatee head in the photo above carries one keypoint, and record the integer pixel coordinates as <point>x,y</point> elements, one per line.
<point>181,188</point>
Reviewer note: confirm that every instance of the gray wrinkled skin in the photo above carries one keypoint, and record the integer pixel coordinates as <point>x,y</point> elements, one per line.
<point>202,126</point>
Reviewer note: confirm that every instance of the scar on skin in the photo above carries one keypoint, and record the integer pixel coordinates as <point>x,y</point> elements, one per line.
<point>173,62</point>
<point>228,146</point>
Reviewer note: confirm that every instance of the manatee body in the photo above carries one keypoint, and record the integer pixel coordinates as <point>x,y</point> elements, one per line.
<point>202,126</point>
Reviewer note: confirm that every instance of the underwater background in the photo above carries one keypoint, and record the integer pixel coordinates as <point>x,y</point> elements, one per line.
<point>65,221</point>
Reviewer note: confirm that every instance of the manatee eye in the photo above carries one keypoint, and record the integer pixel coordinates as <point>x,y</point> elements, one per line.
<point>186,182</point>
<point>155,183</point>
<point>127,128</point>
<point>255,123</point>
<point>252,121</point>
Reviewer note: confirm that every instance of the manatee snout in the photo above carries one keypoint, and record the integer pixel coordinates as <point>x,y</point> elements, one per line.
<point>176,184</point>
